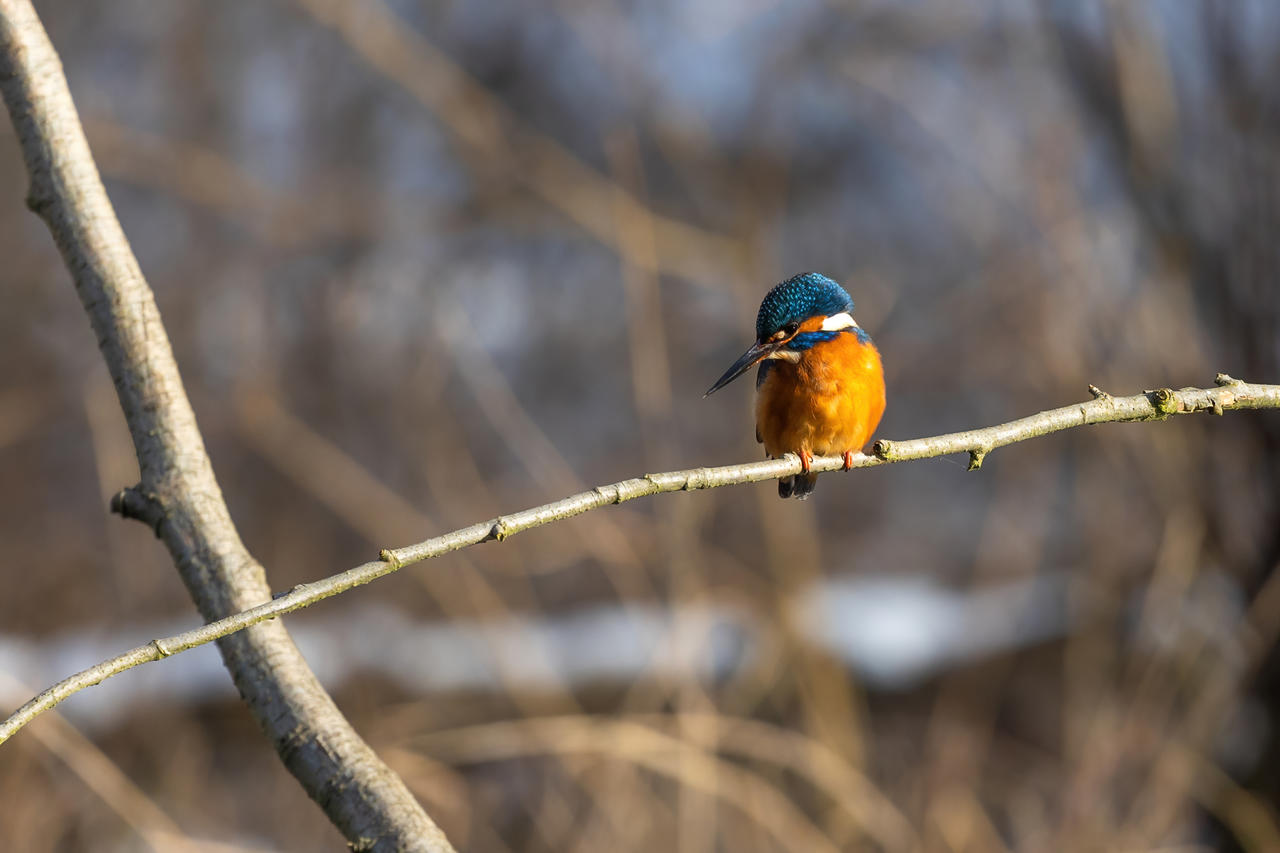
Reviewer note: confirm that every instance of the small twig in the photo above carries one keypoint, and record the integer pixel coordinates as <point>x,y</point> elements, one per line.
<point>979,443</point>
<point>134,503</point>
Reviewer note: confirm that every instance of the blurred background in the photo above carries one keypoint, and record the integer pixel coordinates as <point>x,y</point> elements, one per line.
<point>424,263</point>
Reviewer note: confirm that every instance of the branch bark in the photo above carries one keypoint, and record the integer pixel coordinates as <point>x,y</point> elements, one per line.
<point>178,493</point>
<point>1154,405</point>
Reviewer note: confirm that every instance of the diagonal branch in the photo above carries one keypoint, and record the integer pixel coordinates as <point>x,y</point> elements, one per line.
<point>179,495</point>
<point>1148,406</point>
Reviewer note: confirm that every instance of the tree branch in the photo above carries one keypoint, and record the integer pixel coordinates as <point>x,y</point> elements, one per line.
<point>179,496</point>
<point>1148,406</point>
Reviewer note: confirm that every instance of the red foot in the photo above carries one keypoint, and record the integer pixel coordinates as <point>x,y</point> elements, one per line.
<point>848,460</point>
<point>806,459</point>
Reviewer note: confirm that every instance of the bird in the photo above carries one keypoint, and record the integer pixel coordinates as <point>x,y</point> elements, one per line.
<point>820,386</point>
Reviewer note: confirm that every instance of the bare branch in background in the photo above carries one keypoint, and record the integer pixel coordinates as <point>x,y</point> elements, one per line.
<point>486,125</point>
<point>179,494</point>
<point>1149,406</point>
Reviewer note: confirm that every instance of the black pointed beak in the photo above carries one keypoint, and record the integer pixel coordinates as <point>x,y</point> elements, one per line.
<point>750,358</point>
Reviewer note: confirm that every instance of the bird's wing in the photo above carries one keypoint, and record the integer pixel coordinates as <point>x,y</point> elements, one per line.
<point>765,367</point>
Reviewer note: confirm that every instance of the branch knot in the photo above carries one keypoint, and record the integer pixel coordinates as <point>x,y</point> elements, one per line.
<point>38,204</point>
<point>1165,401</point>
<point>142,506</point>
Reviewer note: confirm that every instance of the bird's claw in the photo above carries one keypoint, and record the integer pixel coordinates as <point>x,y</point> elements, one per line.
<point>806,460</point>
<point>848,461</point>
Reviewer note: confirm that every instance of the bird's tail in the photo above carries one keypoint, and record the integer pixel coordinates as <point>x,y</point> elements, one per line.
<point>800,486</point>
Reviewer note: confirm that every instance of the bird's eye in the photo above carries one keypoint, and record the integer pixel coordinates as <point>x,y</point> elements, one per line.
<point>791,328</point>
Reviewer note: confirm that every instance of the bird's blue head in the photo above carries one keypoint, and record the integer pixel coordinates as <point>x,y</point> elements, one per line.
<point>795,300</point>
<point>795,315</point>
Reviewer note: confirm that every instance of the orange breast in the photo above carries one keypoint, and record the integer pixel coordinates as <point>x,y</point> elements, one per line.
<point>828,402</point>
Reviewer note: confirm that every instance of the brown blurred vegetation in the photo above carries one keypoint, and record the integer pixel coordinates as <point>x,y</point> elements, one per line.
<point>423,263</point>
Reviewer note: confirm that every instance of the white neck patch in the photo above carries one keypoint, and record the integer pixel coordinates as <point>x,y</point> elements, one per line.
<point>836,322</point>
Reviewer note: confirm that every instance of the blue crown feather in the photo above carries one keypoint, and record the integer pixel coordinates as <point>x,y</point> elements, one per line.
<point>806,295</point>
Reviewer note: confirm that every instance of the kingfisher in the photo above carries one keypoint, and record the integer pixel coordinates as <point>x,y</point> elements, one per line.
<point>820,387</point>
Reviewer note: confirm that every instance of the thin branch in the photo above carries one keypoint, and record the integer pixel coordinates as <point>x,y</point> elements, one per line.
<point>179,495</point>
<point>979,443</point>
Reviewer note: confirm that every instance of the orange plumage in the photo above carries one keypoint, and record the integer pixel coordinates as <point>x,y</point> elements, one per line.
<point>827,403</point>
